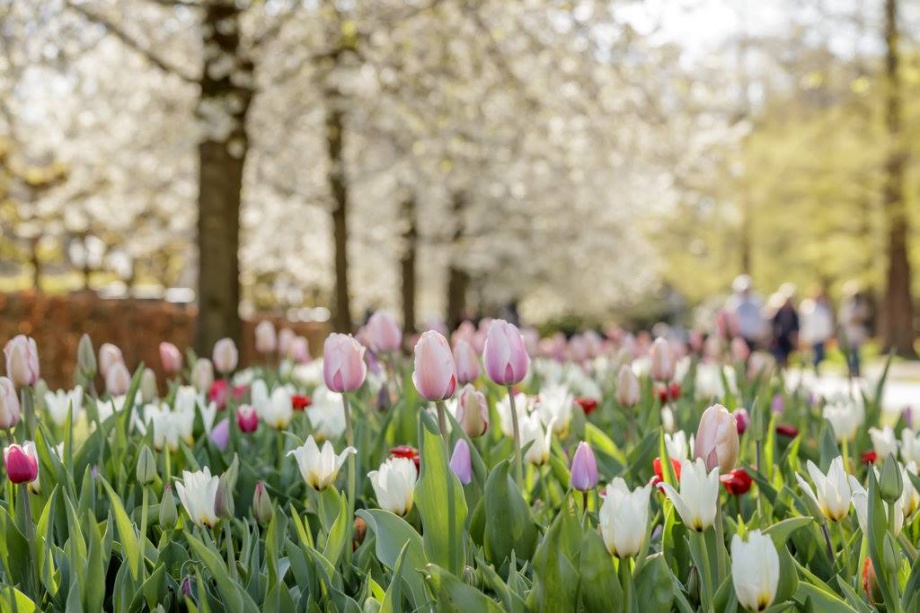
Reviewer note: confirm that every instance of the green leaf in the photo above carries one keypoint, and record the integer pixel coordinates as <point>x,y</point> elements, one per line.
<point>555,574</point>
<point>654,585</point>
<point>600,586</point>
<point>233,597</point>
<point>509,524</point>
<point>392,534</point>
<point>452,595</point>
<point>780,531</point>
<point>335,543</point>
<point>821,601</point>
<point>127,534</point>
<point>440,501</point>
<point>14,600</point>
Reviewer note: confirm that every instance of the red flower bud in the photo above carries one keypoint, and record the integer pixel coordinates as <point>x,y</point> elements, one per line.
<point>301,401</point>
<point>405,451</point>
<point>869,457</point>
<point>656,466</point>
<point>587,404</point>
<point>787,430</point>
<point>737,481</point>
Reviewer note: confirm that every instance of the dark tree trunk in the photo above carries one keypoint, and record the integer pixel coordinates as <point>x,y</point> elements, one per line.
<point>898,311</point>
<point>458,280</point>
<point>36,263</point>
<point>407,263</point>
<point>338,189</point>
<point>226,95</point>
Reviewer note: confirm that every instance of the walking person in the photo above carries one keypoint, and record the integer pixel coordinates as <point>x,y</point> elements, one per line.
<point>817,326</point>
<point>745,308</point>
<point>854,324</point>
<point>784,325</point>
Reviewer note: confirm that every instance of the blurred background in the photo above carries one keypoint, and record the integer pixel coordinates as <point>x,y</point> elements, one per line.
<point>174,169</point>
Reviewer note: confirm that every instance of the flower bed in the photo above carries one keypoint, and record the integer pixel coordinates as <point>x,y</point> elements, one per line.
<point>599,476</point>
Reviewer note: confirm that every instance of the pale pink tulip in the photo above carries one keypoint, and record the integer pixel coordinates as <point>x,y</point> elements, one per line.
<point>344,369</point>
<point>225,357</point>
<point>9,404</point>
<point>717,439</point>
<point>21,354</point>
<point>662,360</point>
<point>472,411</point>
<point>266,338</point>
<point>435,375</point>
<point>171,358</point>
<point>504,355</point>
<point>467,362</point>
<point>383,333</point>
<point>109,355</point>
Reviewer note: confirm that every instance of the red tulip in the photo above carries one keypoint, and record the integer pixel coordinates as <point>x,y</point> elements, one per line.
<point>787,430</point>
<point>405,451</point>
<point>21,462</point>
<point>587,404</point>
<point>869,457</point>
<point>300,401</point>
<point>737,482</point>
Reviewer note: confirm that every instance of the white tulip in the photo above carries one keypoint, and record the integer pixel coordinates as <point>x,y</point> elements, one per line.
<point>107,408</point>
<point>60,402</point>
<point>667,419</point>
<point>394,484</point>
<point>677,445</point>
<point>503,406</point>
<point>624,518</point>
<point>910,446</point>
<point>554,404</point>
<point>319,468</point>
<point>326,414</point>
<point>698,499</point>
<point>198,493</point>
<point>910,498</point>
<point>845,418</point>
<point>884,442</point>
<point>861,506</point>
<point>832,491</point>
<point>276,411</point>
<point>755,570</point>
<point>532,430</point>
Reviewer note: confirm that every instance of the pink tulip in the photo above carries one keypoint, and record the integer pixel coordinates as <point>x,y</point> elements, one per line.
<point>21,354</point>
<point>266,339</point>
<point>109,355</point>
<point>467,362</point>
<point>740,349</point>
<point>742,420</point>
<point>383,333</point>
<point>21,462</point>
<point>9,404</point>
<point>247,418</point>
<point>662,360</point>
<point>285,338</point>
<point>118,380</point>
<point>461,463</point>
<point>170,358</point>
<point>584,468</point>
<point>225,356</point>
<point>504,355</point>
<point>300,350</point>
<point>717,439</point>
<point>344,368</point>
<point>435,375</point>
<point>627,387</point>
<point>472,411</point>
<point>202,375</point>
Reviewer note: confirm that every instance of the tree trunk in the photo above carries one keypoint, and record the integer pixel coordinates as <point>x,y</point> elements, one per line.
<point>458,280</point>
<point>338,188</point>
<point>36,263</point>
<point>407,263</point>
<point>898,320</point>
<point>226,95</point>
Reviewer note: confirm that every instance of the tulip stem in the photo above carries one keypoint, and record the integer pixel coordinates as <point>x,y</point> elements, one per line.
<point>846,456</point>
<point>442,425</point>
<point>28,410</point>
<point>827,542</point>
<point>141,567</point>
<point>626,582</point>
<point>518,460</point>
<point>352,477</point>
<point>29,533</point>
<point>706,590</point>
<point>846,552</point>
<point>721,566</point>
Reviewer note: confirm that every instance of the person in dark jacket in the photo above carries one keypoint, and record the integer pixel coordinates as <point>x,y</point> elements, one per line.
<point>785,325</point>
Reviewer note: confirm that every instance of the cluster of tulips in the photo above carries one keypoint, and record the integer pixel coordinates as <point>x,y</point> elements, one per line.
<point>475,478</point>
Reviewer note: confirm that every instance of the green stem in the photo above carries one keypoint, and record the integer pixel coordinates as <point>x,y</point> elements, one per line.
<point>827,542</point>
<point>442,425</point>
<point>721,562</point>
<point>28,411</point>
<point>231,555</point>
<point>29,533</point>
<point>518,460</point>
<point>846,550</point>
<point>352,477</point>
<point>846,457</point>
<point>167,467</point>
<point>626,583</point>
<point>142,568</point>
<point>279,441</point>
<point>706,588</point>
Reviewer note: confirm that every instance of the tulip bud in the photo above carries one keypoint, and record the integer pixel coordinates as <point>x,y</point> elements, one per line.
<point>146,466</point>
<point>890,482</point>
<point>262,508</point>
<point>9,404</point>
<point>584,468</point>
<point>472,412</point>
<point>383,333</point>
<point>624,518</point>
<point>118,379</point>
<point>21,355</point>
<point>169,515</point>
<point>170,358</point>
<point>344,369</point>
<point>220,434</point>
<point>203,375</point>
<point>460,462</point>
<point>467,362</point>
<point>755,570</point>
<point>662,360</point>
<point>741,420</point>
<point>109,355</point>
<point>149,390</point>
<point>504,354</point>
<point>300,350</point>
<point>266,338</point>
<point>627,387</point>
<point>717,439</point>
<point>737,482</point>
<point>225,356</point>
<point>247,419</point>
<point>21,462</point>
<point>86,357</point>
<point>870,582</point>
<point>435,375</point>
<point>223,502</point>
<point>394,485</point>
<point>285,338</point>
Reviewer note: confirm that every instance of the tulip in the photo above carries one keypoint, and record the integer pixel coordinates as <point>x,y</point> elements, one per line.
<point>21,462</point>
<point>168,513</point>
<point>554,405</point>
<point>740,350</point>
<point>86,357</point>
<point>286,336</point>
<point>787,430</point>
<point>266,338</point>
<point>148,387</point>
<point>109,355</point>
<point>170,358</point>
<point>504,354</point>
<point>869,456</point>
<point>742,419</point>
<point>262,509</point>
<point>884,441</point>
<point>408,452</point>
<point>910,446</point>
<point>717,439</point>
<point>319,468</point>
<point>698,499</point>
<point>870,582</point>
<point>300,350</point>
<point>118,379</point>
<point>461,463</point>
<point>833,491</point>
<point>146,470</point>
<point>659,473</point>
<point>383,333</point>
<point>59,404</point>
<point>326,414</point>
<point>9,404</point>
<point>584,468</point>
<point>247,419</point>
<point>202,375</point>
<point>627,387</point>
<point>21,355</point>
<point>220,434</point>
<point>860,500</point>
<point>845,419</point>
<point>472,411</point>
<point>737,482</point>
<point>344,369</point>
<point>910,498</point>
<point>624,518</point>
<point>503,406</point>
<point>662,360</point>
<point>588,405</point>
<point>467,362</point>
<point>532,432</point>
<point>276,410</point>
<point>225,356</point>
<point>394,485</point>
<point>677,445</point>
<point>755,570</point>
<point>435,375</point>
<point>198,494</point>
<point>170,426</point>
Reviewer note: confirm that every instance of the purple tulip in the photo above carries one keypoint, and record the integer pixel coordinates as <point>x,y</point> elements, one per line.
<point>460,462</point>
<point>584,468</point>
<point>220,434</point>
